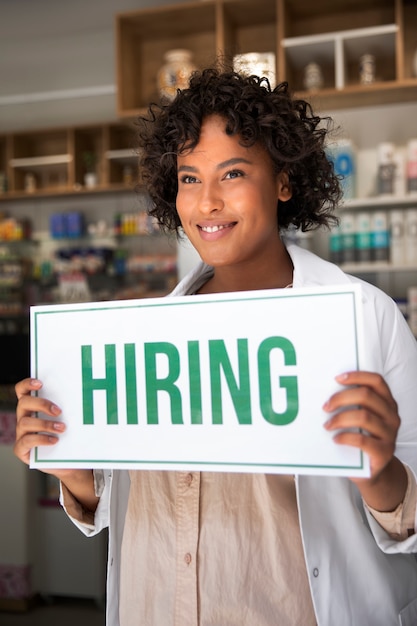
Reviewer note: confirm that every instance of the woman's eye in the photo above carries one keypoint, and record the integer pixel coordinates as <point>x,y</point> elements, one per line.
<point>187,179</point>
<point>234,174</point>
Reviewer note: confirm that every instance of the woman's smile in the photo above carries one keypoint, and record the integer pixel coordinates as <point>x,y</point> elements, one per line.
<point>212,232</point>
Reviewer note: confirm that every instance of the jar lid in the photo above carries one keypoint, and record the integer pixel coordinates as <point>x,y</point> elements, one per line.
<point>178,54</point>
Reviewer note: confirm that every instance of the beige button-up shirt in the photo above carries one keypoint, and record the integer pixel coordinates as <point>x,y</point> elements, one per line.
<point>213,549</point>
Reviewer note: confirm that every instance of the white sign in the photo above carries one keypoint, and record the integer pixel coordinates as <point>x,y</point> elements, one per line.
<point>231,382</point>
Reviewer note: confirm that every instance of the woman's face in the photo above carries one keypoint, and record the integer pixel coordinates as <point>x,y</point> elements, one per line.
<point>227,198</point>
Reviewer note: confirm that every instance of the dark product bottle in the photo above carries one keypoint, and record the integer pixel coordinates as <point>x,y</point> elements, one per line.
<point>386,169</point>
<point>336,245</point>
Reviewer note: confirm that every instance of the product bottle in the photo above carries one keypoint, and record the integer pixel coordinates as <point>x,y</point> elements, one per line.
<point>348,238</point>
<point>412,166</point>
<point>363,237</point>
<point>380,236</point>
<point>397,237</point>
<point>400,182</point>
<point>386,168</point>
<point>343,155</point>
<point>411,237</point>
<point>336,245</point>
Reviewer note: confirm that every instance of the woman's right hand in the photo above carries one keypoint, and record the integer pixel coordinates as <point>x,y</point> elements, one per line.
<point>32,431</point>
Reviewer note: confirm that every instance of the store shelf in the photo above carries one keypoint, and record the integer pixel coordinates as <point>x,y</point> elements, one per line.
<point>372,268</point>
<point>376,202</point>
<point>120,155</point>
<point>41,161</point>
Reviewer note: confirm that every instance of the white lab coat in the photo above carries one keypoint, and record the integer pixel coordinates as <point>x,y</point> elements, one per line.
<point>358,575</point>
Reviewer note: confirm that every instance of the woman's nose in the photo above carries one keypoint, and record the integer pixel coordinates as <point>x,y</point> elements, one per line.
<point>211,198</point>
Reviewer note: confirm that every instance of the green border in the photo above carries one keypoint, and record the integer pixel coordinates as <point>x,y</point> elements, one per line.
<point>167,302</point>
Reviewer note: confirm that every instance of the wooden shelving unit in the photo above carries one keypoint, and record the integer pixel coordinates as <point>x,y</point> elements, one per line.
<point>333,33</point>
<point>55,160</point>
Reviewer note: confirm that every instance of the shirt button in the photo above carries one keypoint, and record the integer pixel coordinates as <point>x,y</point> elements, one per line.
<point>189,479</point>
<point>188,558</point>
<point>315,572</point>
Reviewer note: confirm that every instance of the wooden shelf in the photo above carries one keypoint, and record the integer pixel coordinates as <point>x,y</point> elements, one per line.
<point>66,191</point>
<point>353,96</point>
<point>41,161</point>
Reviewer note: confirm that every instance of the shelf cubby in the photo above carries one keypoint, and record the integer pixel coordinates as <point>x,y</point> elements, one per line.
<point>143,38</point>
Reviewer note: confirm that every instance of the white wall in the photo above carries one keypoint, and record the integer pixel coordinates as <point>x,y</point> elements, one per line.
<point>52,49</point>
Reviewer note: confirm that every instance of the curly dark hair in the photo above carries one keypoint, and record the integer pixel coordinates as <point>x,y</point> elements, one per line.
<point>292,134</point>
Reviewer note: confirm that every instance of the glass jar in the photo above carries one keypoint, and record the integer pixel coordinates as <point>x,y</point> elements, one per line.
<point>175,73</point>
<point>367,69</point>
<point>313,77</point>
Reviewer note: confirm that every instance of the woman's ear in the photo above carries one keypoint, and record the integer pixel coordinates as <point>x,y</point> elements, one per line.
<point>284,191</point>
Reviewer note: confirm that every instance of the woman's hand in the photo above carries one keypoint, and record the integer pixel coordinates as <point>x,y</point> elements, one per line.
<point>32,431</point>
<point>367,404</point>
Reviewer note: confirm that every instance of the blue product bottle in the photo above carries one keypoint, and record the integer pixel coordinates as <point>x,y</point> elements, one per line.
<point>344,161</point>
<point>74,224</point>
<point>363,237</point>
<point>380,237</point>
<point>57,226</point>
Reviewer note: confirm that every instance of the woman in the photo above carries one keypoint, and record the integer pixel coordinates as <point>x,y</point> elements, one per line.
<point>233,164</point>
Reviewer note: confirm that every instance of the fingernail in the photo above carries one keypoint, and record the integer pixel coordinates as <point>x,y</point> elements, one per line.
<point>35,382</point>
<point>326,406</point>
<point>55,409</point>
<point>341,377</point>
<point>58,426</point>
<point>53,439</point>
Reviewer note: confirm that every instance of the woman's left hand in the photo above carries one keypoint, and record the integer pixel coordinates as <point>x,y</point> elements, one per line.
<point>367,404</point>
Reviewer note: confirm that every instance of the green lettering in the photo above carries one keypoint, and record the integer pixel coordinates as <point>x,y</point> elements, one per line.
<point>131,384</point>
<point>287,382</point>
<point>155,384</point>
<point>239,391</point>
<point>195,382</point>
<point>90,384</point>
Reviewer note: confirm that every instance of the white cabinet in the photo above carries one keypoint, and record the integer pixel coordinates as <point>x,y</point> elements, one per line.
<point>339,52</point>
